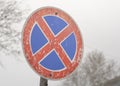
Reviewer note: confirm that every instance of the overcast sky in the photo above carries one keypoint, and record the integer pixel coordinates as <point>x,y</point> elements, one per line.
<point>99,23</point>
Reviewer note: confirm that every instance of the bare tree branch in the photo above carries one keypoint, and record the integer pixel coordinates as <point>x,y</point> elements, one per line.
<point>94,71</point>
<point>10,14</point>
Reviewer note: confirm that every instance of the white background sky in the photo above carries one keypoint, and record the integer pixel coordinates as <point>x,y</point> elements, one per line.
<point>99,22</point>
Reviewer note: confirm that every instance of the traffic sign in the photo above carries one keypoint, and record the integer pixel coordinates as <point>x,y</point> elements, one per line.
<point>52,43</point>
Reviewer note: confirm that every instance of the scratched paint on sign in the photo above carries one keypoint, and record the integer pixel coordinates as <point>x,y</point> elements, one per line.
<point>52,43</point>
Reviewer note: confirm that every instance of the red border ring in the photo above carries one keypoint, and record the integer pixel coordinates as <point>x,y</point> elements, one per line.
<point>32,60</point>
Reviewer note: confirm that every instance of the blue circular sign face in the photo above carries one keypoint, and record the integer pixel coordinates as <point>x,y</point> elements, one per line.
<point>52,43</point>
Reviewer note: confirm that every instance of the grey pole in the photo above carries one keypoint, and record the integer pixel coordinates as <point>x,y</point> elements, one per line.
<point>43,81</point>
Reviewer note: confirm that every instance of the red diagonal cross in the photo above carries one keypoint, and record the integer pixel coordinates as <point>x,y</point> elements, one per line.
<point>54,42</point>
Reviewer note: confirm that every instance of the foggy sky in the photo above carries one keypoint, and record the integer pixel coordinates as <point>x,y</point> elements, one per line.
<point>99,23</point>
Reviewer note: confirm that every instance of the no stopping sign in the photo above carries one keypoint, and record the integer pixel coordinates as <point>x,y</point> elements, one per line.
<point>52,43</point>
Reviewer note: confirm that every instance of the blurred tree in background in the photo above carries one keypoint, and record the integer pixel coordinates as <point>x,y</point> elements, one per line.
<point>10,35</point>
<point>11,15</point>
<point>95,70</point>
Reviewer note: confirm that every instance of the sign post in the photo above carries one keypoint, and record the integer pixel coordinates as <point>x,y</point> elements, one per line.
<point>52,43</point>
<point>43,81</point>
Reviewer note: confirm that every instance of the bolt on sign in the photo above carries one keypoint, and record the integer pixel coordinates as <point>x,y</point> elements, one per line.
<point>52,43</point>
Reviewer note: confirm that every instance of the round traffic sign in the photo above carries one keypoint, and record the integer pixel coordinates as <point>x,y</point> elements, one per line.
<point>52,43</point>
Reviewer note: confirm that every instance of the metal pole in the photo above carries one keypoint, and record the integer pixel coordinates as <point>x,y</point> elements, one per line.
<point>43,81</point>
